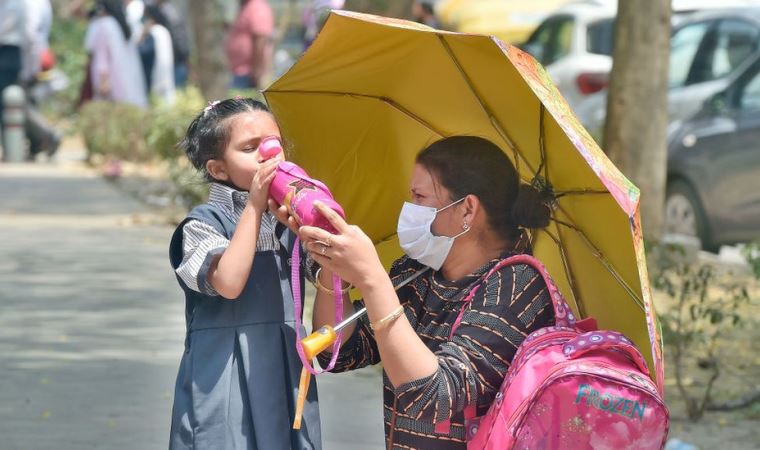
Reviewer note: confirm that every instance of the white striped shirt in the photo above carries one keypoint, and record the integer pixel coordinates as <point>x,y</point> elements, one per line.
<point>201,243</point>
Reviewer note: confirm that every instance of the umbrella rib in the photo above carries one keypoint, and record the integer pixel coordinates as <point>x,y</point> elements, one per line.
<point>607,265</point>
<point>542,142</point>
<point>497,126</point>
<point>559,194</point>
<point>386,100</point>
<point>568,272</point>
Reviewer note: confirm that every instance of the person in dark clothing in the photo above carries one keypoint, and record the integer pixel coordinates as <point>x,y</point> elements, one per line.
<point>13,40</point>
<point>468,211</point>
<point>177,25</point>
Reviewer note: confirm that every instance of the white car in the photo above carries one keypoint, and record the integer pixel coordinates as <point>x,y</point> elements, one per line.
<point>575,45</point>
<point>706,49</point>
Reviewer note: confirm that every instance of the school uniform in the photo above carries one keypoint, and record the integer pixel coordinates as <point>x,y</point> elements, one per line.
<point>239,374</point>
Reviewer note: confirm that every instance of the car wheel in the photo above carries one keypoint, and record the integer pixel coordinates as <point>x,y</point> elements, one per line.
<point>684,214</point>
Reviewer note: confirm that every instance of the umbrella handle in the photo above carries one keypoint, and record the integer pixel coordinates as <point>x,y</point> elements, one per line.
<point>313,345</point>
<point>318,341</point>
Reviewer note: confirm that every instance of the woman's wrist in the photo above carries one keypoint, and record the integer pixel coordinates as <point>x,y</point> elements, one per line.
<point>325,277</point>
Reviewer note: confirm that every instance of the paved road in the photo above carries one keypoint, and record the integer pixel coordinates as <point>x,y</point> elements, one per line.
<point>91,322</point>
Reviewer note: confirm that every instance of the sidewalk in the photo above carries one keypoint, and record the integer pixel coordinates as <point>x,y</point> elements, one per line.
<point>92,321</point>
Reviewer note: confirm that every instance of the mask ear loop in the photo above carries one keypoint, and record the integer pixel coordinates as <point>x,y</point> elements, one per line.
<point>450,204</point>
<point>465,227</point>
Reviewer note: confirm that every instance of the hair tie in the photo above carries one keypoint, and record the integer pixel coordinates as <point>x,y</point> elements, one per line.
<point>210,106</point>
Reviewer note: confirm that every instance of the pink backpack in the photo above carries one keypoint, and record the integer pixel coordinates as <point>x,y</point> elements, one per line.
<point>570,386</point>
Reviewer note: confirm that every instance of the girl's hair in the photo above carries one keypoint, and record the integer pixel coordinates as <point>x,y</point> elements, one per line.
<point>115,9</point>
<point>473,165</point>
<point>209,133</point>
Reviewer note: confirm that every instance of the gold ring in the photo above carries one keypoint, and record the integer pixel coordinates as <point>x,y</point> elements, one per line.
<point>324,249</point>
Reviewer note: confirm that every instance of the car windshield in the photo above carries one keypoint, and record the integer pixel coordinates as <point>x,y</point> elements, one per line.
<point>551,40</point>
<point>599,37</point>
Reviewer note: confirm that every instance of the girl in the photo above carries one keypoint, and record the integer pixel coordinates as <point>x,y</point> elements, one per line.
<point>239,374</point>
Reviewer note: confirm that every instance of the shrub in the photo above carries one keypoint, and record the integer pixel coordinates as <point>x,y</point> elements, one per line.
<point>170,122</point>
<point>115,129</point>
<point>706,306</point>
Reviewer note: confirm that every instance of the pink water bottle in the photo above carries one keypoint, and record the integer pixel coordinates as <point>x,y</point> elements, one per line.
<point>293,188</point>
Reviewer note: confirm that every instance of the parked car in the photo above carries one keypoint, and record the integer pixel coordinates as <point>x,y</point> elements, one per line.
<point>713,189</point>
<point>575,45</point>
<point>706,49</point>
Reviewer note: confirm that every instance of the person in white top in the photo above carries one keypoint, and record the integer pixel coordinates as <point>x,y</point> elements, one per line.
<point>157,42</point>
<point>39,20</point>
<point>134,10</point>
<point>116,71</point>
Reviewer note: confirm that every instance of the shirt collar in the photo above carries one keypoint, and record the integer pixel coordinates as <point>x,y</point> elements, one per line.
<point>231,200</point>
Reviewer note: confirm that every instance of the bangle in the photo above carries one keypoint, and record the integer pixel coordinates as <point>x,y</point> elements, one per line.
<point>385,321</point>
<point>324,289</point>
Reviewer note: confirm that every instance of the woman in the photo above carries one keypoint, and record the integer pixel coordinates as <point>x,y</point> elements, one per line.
<point>115,69</point>
<point>157,55</point>
<point>468,212</point>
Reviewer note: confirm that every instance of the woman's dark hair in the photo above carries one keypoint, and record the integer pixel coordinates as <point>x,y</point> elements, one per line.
<point>115,9</point>
<point>472,165</point>
<point>209,133</point>
<point>154,13</point>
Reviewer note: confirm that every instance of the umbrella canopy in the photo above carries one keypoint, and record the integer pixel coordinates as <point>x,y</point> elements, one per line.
<point>371,92</point>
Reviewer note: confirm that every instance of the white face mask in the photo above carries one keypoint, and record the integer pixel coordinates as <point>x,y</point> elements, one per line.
<point>418,240</point>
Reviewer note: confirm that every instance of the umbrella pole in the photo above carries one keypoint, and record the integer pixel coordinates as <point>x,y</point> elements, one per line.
<point>319,340</point>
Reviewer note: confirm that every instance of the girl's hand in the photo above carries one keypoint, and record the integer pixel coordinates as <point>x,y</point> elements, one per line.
<point>349,254</point>
<point>258,193</point>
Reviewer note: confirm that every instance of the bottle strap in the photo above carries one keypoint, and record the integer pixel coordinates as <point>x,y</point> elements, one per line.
<point>295,271</point>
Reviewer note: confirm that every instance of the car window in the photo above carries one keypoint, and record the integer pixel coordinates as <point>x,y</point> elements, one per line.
<point>599,37</point>
<point>551,41</point>
<point>683,47</point>
<point>736,40</point>
<point>750,99</point>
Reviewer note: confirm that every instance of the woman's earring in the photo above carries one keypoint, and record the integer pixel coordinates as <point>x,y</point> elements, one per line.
<point>465,226</point>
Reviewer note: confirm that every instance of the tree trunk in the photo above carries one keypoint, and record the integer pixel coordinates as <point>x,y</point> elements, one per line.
<point>210,66</point>
<point>637,108</point>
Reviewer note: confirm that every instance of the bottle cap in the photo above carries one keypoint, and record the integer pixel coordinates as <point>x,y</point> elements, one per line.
<point>269,147</point>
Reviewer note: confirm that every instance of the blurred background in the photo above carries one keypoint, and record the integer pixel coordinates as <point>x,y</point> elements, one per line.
<point>91,320</point>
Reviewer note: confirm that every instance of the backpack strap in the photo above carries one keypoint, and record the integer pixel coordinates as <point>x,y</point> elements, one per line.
<point>563,315</point>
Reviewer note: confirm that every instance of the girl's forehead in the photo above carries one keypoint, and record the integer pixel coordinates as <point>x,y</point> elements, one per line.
<point>254,124</point>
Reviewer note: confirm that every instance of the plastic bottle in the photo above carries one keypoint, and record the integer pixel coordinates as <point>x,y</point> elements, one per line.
<point>293,188</point>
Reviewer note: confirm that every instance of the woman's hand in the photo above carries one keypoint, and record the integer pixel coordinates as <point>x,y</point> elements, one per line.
<point>349,253</point>
<point>282,214</point>
<point>258,192</point>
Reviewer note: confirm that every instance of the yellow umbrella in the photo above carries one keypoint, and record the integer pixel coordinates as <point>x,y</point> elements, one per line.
<point>371,92</point>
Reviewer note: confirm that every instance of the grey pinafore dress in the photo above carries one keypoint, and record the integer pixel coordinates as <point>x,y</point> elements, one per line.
<point>239,374</point>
